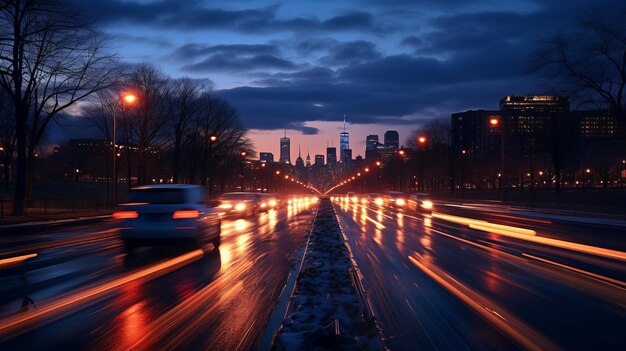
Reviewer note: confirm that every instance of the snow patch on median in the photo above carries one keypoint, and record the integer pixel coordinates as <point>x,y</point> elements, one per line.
<point>324,310</point>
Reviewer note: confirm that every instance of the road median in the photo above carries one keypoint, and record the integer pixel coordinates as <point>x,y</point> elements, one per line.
<point>327,309</point>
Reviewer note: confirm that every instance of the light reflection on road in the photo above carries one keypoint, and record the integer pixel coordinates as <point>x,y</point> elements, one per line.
<point>220,300</point>
<point>531,273</point>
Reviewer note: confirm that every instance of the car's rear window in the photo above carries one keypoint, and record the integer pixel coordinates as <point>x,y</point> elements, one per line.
<point>157,196</point>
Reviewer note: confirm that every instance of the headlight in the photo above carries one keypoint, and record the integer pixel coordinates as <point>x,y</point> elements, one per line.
<point>226,206</point>
<point>355,199</point>
<point>363,200</point>
<point>272,203</point>
<point>240,206</point>
<point>263,204</point>
<point>400,202</point>
<point>379,201</point>
<point>427,204</point>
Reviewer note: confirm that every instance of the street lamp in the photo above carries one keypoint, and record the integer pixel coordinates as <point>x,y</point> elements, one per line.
<point>129,99</point>
<point>494,122</point>
<point>243,161</point>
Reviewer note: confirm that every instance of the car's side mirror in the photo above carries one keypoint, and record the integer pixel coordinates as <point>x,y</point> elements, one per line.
<point>213,203</point>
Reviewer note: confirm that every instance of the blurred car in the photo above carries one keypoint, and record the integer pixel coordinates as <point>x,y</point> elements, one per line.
<point>420,203</point>
<point>239,204</point>
<point>168,215</point>
<point>376,199</point>
<point>269,202</point>
<point>352,197</point>
<point>395,199</point>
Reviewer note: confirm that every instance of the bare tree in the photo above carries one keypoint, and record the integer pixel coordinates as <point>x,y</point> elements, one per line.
<point>588,63</point>
<point>184,106</point>
<point>144,122</point>
<point>49,60</point>
<point>7,135</point>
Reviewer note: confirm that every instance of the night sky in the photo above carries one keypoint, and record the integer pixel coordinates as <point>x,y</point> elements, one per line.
<point>302,65</point>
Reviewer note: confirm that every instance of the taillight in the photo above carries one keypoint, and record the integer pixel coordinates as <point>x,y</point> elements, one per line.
<point>125,214</point>
<point>183,214</point>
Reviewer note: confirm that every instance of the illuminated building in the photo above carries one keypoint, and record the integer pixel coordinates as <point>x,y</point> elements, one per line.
<point>285,149</point>
<point>344,143</point>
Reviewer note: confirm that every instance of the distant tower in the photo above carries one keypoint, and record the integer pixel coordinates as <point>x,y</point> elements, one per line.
<point>299,160</point>
<point>285,149</point>
<point>344,142</point>
<point>392,139</point>
<point>371,143</point>
<point>308,158</point>
<point>331,155</point>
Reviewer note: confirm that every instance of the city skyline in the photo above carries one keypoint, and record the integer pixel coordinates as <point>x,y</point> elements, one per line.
<point>283,68</point>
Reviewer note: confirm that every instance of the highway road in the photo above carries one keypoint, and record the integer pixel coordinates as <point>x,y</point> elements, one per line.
<point>81,291</point>
<point>487,277</point>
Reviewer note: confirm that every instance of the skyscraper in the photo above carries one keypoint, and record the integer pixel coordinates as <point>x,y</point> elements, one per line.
<point>371,144</point>
<point>319,160</point>
<point>285,149</point>
<point>331,155</point>
<point>392,139</point>
<point>299,160</point>
<point>308,158</point>
<point>266,157</point>
<point>344,142</point>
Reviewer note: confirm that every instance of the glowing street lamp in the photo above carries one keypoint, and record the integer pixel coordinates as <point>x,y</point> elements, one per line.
<point>213,138</point>
<point>128,99</point>
<point>421,140</point>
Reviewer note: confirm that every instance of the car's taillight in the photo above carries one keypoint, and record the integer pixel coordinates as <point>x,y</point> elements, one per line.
<point>183,214</point>
<point>125,214</point>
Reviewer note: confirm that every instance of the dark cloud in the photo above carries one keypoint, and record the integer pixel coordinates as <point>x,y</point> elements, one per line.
<point>195,50</point>
<point>351,53</point>
<point>198,15</point>
<point>412,40</point>
<point>306,130</point>
<point>228,63</point>
<point>355,20</point>
<point>309,46</point>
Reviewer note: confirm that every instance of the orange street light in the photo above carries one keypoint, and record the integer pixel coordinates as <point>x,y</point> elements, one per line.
<point>401,152</point>
<point>494,121</point>
<point>277,172</point>
<point>286,177</point>
<point>367,169</point>
<point>213,138</point>
<point>421,139</point>
<point>377,163</point>
<point>243,154</point>
<point>129,99</point>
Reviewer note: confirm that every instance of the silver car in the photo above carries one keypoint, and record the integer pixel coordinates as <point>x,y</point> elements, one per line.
<point>168,215</point>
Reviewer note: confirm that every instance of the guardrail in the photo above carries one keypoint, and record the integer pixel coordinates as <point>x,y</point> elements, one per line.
<point>52,206</point>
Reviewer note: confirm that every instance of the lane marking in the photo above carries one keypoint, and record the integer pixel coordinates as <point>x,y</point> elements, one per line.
<point>588,249</point>
<point>17,259</point>
<point>613,282</point>
<point>55,309</point>
<point>504,321</point>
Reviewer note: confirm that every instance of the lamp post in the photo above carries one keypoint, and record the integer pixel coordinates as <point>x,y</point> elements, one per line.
<point>128,99</point>
<point>212,140</point>
<point>496,122</point>
<point>421,143</point>
<point>243,161</point>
